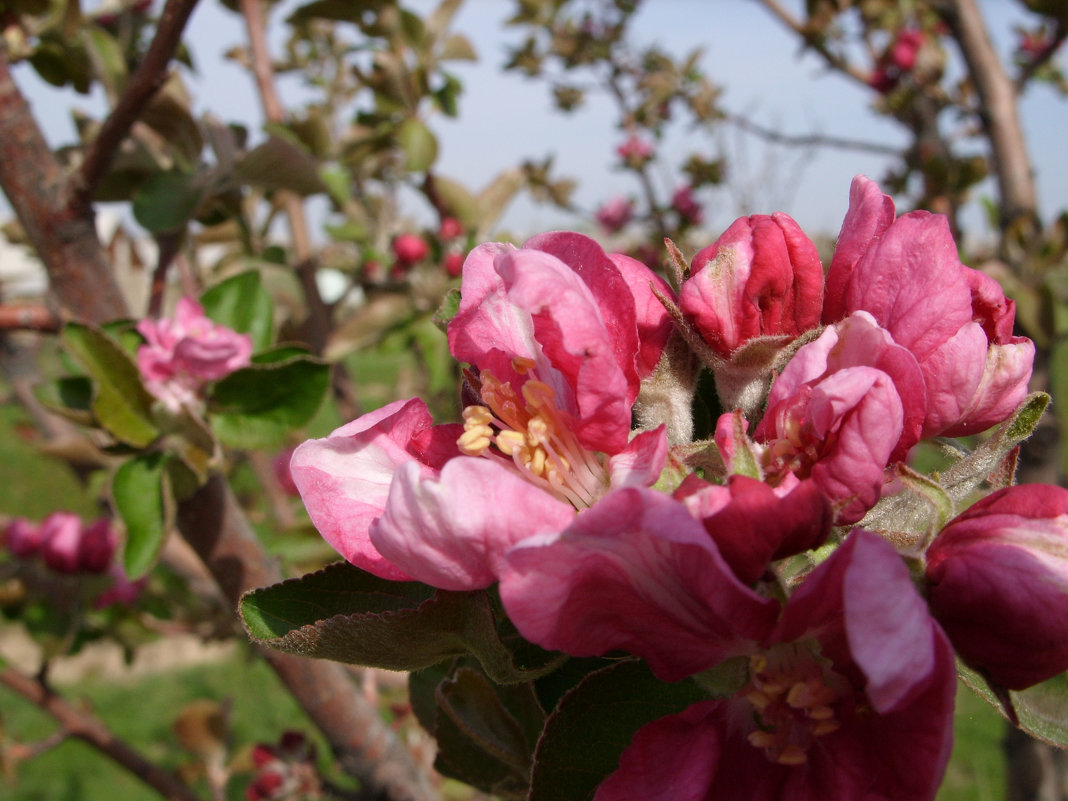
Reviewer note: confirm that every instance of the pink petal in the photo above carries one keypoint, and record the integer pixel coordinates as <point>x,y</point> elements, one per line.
<point>642,461</point>
<point>654,323</point>
<point>344,478</point>
<point>451,531</point>
<point>634,572</point>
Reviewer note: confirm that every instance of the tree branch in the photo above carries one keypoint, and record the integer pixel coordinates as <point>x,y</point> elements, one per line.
<point>811,140</point>
<point>834,61</point>
<point>997,110</point>
<point>92,730</point>
<point>60,229</point>
<point>144,83</point>
<point>28,318</point>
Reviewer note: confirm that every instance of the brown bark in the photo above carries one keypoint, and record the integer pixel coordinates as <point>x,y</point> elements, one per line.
<point>60,228</point>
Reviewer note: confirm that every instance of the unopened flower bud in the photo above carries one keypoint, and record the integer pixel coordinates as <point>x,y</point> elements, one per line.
<point>97,547</point>
<point>409,248</point>
<point>61,539</point>
<point>23,538</point>
<point>998,584</point>
<point>762,277</point>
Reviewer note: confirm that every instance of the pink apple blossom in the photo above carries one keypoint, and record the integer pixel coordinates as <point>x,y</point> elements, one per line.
<point>554,336</point>
<point>762,277</point>
<point>23,538</point>
<point>998,583</point>
<point>183,353</point>
<point>686,206</point>
<point>635,151</point>
<point>955,321</point>
<point>61,542</point>
<point>846,406</point>
<point>849,697</point>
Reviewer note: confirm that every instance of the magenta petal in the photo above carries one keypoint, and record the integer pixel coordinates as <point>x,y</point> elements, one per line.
<point>862,606</point>
<point>344,478</point>
<point>634,572</point>
<point>674,758</point>
<point>654,323</point>
<point>452,531</point>
<point>870,214</point>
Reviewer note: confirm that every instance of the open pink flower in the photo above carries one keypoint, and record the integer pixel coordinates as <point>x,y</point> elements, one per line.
<point>956,322</point>
<point>849,697</point>
<point>183,353</point>
<point>762,277</point>
<point>998,584</point>
<point>558,336</point>
<point>846,406</point>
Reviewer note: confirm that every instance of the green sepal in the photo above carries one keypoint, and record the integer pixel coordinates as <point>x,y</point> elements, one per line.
<point>1041,710</point>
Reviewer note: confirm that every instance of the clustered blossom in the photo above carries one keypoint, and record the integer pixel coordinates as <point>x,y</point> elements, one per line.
<point>183,353</point>
<point>602,540</point>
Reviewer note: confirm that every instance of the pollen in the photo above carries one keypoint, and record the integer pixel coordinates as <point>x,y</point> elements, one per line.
<point>793,703</point>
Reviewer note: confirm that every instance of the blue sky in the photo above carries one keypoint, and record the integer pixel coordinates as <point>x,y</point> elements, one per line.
<point>505,118</point>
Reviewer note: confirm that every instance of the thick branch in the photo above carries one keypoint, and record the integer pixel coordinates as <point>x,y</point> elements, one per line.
<point>28,318</point>
<point>217,529</point>
<point>998,110</point>
<point>60,229</point>
<point>90,729</point>
<point>146,80</point>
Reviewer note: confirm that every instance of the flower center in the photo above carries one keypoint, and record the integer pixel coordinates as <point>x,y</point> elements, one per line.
<point>792,703</point>
<point>535,436</point>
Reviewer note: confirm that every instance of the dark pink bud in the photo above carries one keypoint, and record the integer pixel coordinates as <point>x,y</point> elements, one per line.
<point>635,151</point>
<point>23,538</point>
<point>409,248</point>
<point>454,263</point>
<point>61,539</point>
<point>686,206</point>
<point>905,47</point>
<point>615,214</point>
<point>998,576</point>
<point>98,545</point>
<point>762,277</point>
<point>450,228</point>
<point>263,754</point>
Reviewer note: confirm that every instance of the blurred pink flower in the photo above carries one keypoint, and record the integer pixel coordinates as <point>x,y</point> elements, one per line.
<point>409,248</point>
<point>614,215</point>
<point>23,538</point>
<point>686,206</point>
<point>183,353</point>
<point>635,151</point>
<point>61,542</point>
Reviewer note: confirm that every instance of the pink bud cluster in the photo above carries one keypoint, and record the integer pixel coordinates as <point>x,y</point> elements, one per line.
<point>184,353</point>
<point>64,543</point>
<point>285,770</point>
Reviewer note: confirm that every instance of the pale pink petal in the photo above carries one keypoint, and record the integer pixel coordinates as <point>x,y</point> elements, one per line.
<point>344,478</point>
<point>1001,389</point>
<point>634,572</point>
<point>452,531</point>
<point>642,461</point>
<point>952,374</point>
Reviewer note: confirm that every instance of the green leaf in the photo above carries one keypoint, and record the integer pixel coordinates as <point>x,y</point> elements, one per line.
<point>348,615</point>
<point>71,397</point>
<point>457,47</point>
<point>140,490</point>
<point>594,722</point>
<point>419,144</point>
<point>280,164</point>
<point>1042,710</point>
<point>120,403</point>
<point>242,303</point>
<point>108,57</point>
<point>255,407</point>
<point>167,201</point>
<point>486,732</point>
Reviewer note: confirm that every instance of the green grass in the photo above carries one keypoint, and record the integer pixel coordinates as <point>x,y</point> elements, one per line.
<point>142,712</point>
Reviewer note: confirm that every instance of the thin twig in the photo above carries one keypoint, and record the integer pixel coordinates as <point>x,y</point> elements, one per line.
<point>811,140</point>
<point>144,83</point>
<point>833,60</point>
<point>90,729</point>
